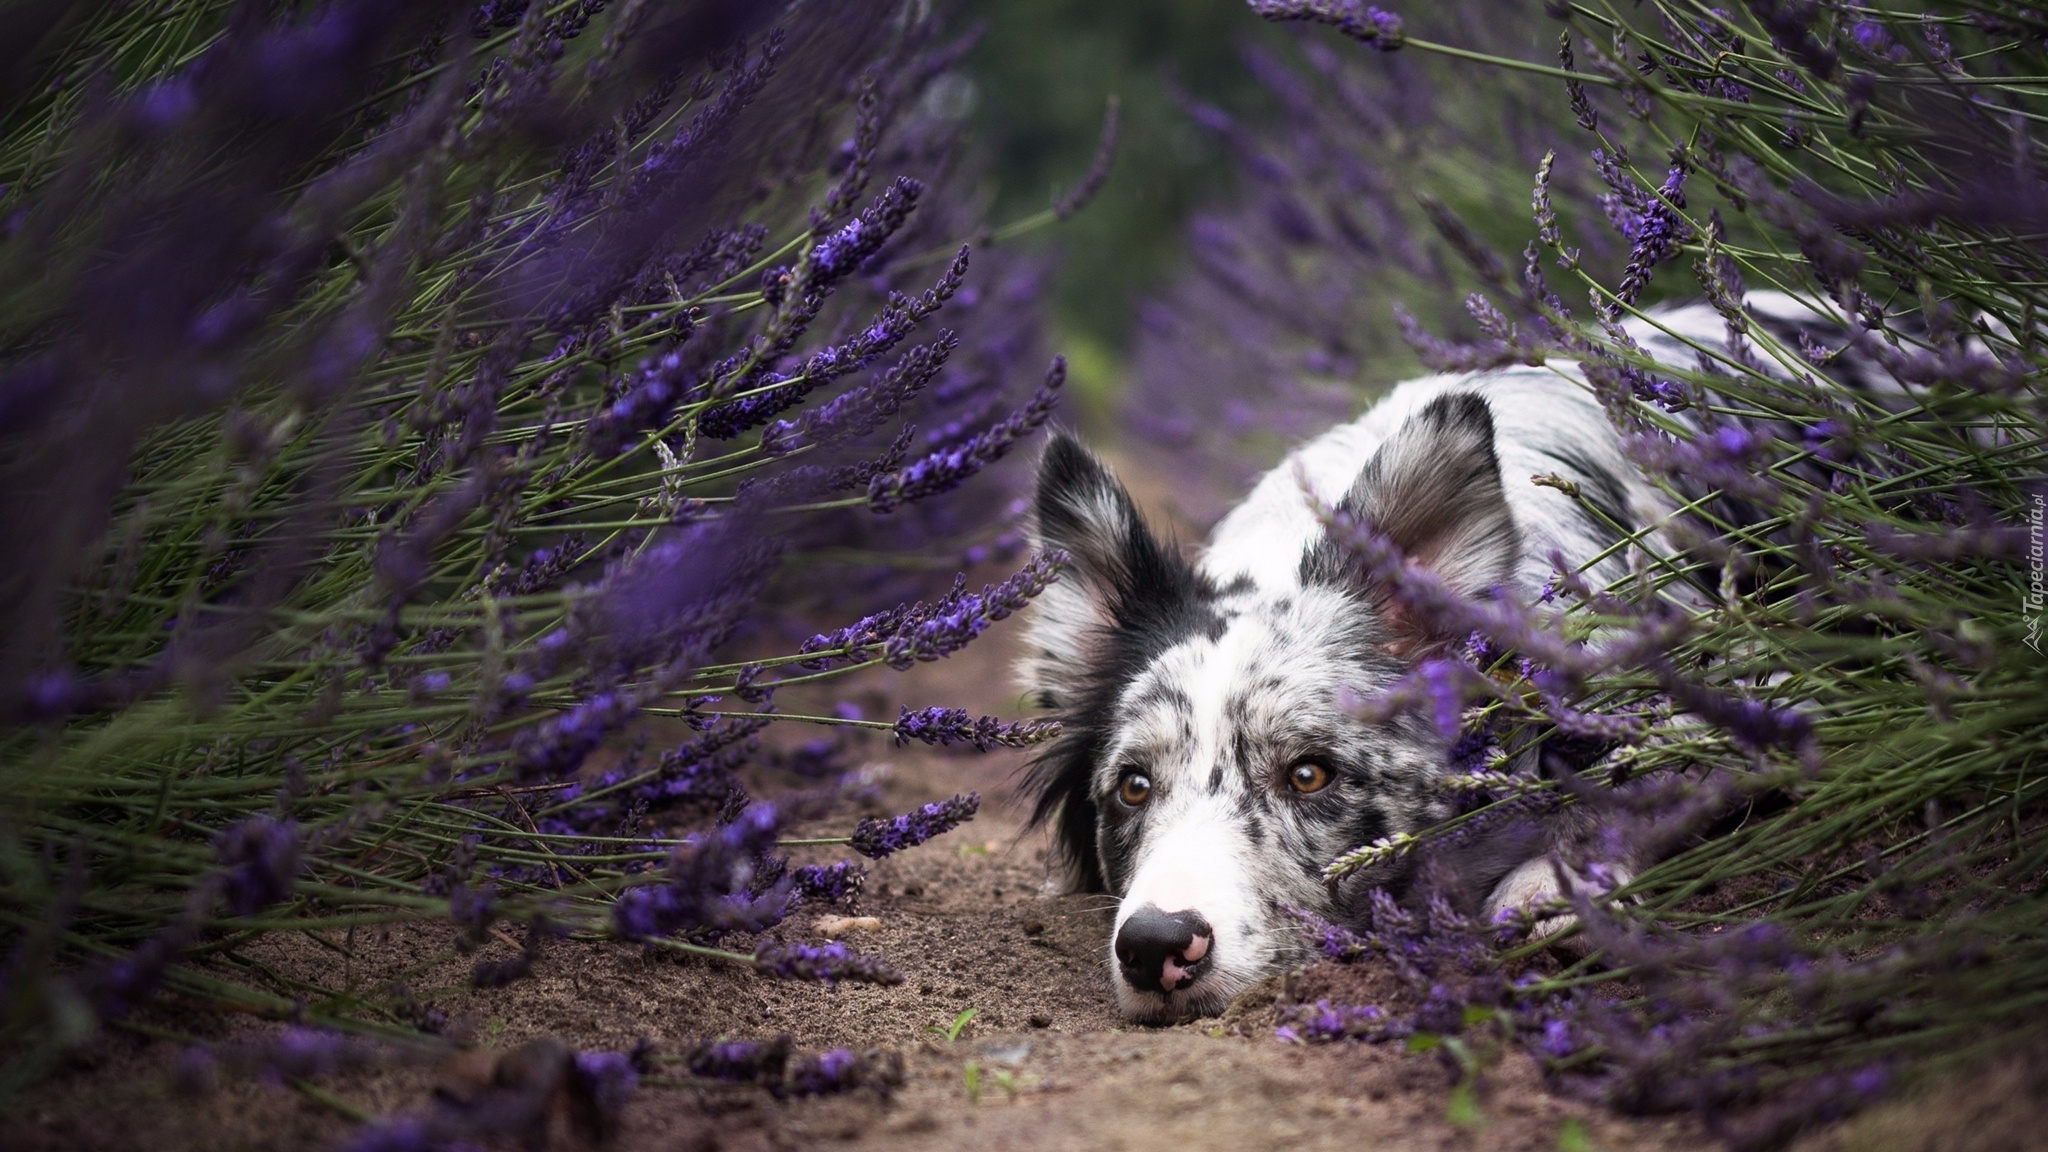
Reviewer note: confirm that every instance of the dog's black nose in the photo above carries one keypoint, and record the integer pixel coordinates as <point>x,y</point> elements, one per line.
<point>1164,951</point>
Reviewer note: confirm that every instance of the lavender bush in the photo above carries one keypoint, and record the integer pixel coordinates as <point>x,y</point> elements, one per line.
<point>401,401</point>
<point>1283,300</point>
<point>1818,728</point>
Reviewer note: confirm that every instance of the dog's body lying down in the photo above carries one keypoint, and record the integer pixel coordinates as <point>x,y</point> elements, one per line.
<point>1213,760</point>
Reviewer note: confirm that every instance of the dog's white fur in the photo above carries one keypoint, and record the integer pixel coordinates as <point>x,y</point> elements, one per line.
<point>1196,852</point>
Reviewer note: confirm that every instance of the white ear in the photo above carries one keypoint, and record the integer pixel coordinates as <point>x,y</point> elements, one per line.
<point>1118,572</point>
<point>1433,489</point>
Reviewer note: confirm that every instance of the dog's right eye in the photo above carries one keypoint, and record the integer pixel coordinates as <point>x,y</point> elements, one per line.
<point>1134,789</point>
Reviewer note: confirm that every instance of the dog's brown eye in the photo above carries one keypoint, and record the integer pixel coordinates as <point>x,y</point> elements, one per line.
<point>1308,776</point>
<point>1135,789</point>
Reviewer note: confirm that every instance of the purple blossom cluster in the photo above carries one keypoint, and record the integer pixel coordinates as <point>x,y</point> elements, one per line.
<point>825,964</point>
<point>531,1089</point>
<point>861,410</point>
<point>924,631</point>
<point>1324,1022</point>
<point>830,883</point>
<point>781,391</point>
<point>717,884</point>
<point>876,838</point>
<point>955,726</point>
<point>775,1065</point>
<point>947,469</point>
<point>1369,25</point>
<point>742,1061</point>
<point>261,858</point>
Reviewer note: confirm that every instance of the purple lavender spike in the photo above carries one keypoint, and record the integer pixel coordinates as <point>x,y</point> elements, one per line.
<point>261,855</point>
<point>1369,25</point>
<point>944,471</point>
<point>830,883</point>
<point>939,725</point>
<point>825,964</point>
<point>744,1061</point>
<point>876,838</point>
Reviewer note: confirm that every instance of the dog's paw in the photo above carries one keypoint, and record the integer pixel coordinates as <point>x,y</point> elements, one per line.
<point>1534,884</point>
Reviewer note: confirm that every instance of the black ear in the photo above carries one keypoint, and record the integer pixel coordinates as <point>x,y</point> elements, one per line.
<point>1434,490</point>
<point>1122,590</point>
<point>1120,575</point>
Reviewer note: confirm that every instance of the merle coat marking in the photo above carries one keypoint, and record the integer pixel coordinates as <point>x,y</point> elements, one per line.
<point>1193,693</point>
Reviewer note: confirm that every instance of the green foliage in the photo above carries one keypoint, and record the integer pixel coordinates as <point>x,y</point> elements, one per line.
<point>959,1024</point>
<point>1040,78</point>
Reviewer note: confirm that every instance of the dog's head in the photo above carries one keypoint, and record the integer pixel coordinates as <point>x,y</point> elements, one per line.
<point>1211,763</point>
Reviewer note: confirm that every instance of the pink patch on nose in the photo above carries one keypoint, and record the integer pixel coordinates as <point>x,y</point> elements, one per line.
<point>1178,971</point>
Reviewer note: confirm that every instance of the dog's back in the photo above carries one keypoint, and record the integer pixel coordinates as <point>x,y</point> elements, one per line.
<point>1545,423</point>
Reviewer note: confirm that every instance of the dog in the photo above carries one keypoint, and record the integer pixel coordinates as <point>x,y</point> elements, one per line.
<point>1213,759</point>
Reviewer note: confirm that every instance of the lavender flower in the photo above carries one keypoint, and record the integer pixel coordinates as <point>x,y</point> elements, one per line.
<point>298,1053</point>
<point>261,855</point>
<point>558,747</point>
<point>944,471</point>
<point>1444,356</point>
<point>824,1074</point>
<point>743,1061</point>
<point>862,410</point>
<point>1791,27</point>
<point>953,726</point>
<point>603,1082</point>
<point>1727,458</point>
<point>784,391</point>
<point>830,883</point>
<point>826,964</point>
<point>1091,182</point>
<point>711,885</point>
<point>844,250</point>
<point>1654,230</point>
<point>1373,27</point>
<point>910,633</point>
<point>1753,723</point>
<point>875,838</point>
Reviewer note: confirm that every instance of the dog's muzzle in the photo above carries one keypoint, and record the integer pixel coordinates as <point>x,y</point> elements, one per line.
<point>1164,951</point>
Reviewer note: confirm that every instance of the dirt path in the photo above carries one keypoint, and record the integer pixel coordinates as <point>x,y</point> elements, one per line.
<point>1053,1068</point>
<point>964,918</point>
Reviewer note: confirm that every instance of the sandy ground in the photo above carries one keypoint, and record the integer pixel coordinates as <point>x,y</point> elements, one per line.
<point>965,921</point>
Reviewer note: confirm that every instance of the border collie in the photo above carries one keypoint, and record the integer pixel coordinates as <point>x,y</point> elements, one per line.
<point>1213,761</point>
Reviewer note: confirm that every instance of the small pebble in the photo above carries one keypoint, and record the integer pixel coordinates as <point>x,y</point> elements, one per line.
<point>1033,926</point>
<point>1041,1020</point>
<point>833,927</point>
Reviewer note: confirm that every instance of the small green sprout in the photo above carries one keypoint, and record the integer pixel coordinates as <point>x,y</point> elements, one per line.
<point>952,1031</point>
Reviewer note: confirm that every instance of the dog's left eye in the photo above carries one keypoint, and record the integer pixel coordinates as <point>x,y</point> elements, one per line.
<point>1308,776</point>
<point>1134,789</point>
